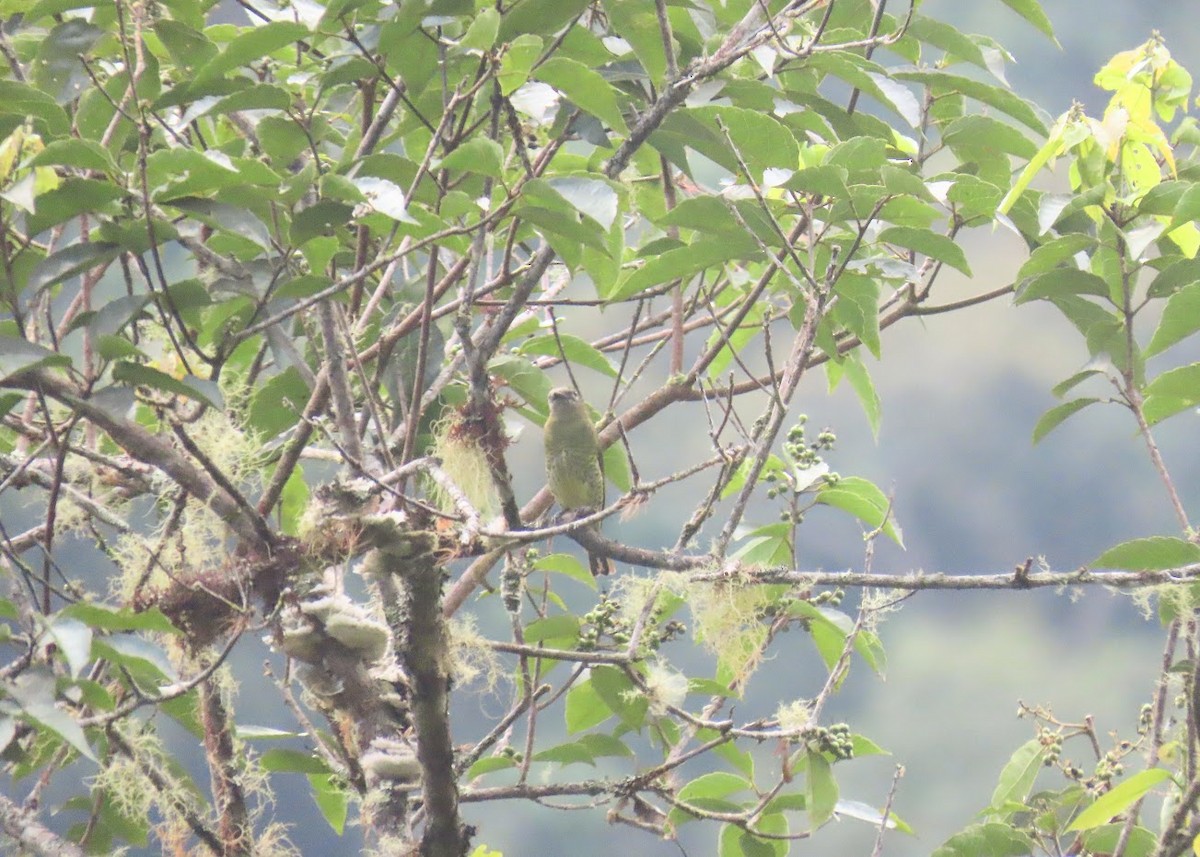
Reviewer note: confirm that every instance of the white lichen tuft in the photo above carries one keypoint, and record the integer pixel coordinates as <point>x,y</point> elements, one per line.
<point>665,688</point>
<point>196,545</point>
<point>350,625</point>
<point>392,760</point>
<point>464,462</point>
<point>471,658</point>
<point>794,716</point>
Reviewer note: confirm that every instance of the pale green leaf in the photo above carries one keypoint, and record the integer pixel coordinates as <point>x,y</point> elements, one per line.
<point>1156,553</point>
<point>1180,319</point>
<point>1057,415</point>
<point>586,88</point>
<point>863,500</point>
<point>1119,799</point>
<point>932,244</point>
<point>1019,773</point>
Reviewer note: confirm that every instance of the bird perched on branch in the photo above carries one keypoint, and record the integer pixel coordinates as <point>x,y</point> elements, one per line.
<point>574,467</point>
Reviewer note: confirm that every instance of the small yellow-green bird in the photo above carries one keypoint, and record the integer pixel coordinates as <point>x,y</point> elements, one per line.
<point>574,467</point>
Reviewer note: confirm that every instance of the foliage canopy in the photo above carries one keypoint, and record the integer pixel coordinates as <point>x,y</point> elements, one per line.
<point>276,293</point>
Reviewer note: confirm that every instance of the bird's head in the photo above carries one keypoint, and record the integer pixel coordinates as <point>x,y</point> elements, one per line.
<point>563,399</point>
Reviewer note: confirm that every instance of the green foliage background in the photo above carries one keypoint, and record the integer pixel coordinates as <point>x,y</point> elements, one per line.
<point>960,396</point>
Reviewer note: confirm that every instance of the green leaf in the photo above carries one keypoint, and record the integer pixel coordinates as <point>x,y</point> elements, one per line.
<point>563,563</point>
<point>1057,415</point>
<point>296,761</point>
<point>1063,387</point>
<point>1171,392</point>
<point>1104,839</point>
<point>190,387</point>
<point>386,197</point>
<point>185,710</point>
<point>34,693</point>
<point>258,97</point>
<point>74,641</point>
<point>20,99</point>
<point>824,179</point>
<point>1186,208</point>
<point>944,82</point>
<point>252,44</point>
<point>858,309</point>
<point>616,467</point>
<point>71,152</point>
<point>586,88</point>
<point>864,389</point>
<point>17,355</point>
<point>277,404</point>
<point>490,764</point>
<point>331,798</point>
<point>146,659</point>
<point>1061,282</point>
<point>828,629</point>
<point>1156,553</point>
<point>57,68</point>
<point>1053,253</point>
<point>601,746</point>
<point>948,38</point>
<point>1119,799</point>
<point>862,157</point>
<point>718,784</point>
<point>74,196</point>
<point>865,812</point>
<point>1180,319</point>
<point>189,48</point>
<point>820,789</point>
<point>529,382</point>
<point>578,351</point>
<point>105,618</point>
<point>635,22</point>
<point>480,155</point>
<point>932,244</point>
<point>293,502</point>
<point>566,754</point>
<point>863,500</point>
<point>899,181</point>
<point>70,261</point>
<point>620,695</point>
<point>769,545</point>
<point>250,732</point>
<point>539,16</point>
<point>585,708</point>
<point>761,141</point>
<point>592,197</point>
<point>556,631</point>
<point>987,840</point>
<point>679,263</point>
<point>564,225</point>
<point>1032,12</point>
<point>481,35</point>
<point>1018,775</point>
<point>518,60</point>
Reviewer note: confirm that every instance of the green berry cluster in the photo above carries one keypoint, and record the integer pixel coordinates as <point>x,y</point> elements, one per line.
<point>835,740</point>
<point>1052,740</point>
<point>832,597</point>
<point>1108,768</point>
<point>604,624</point>
<point>1145,719</point>
<point>802,454</point>
<point>603,621</point>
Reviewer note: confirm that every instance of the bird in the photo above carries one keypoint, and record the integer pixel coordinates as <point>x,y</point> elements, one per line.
<point>574,467</point>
